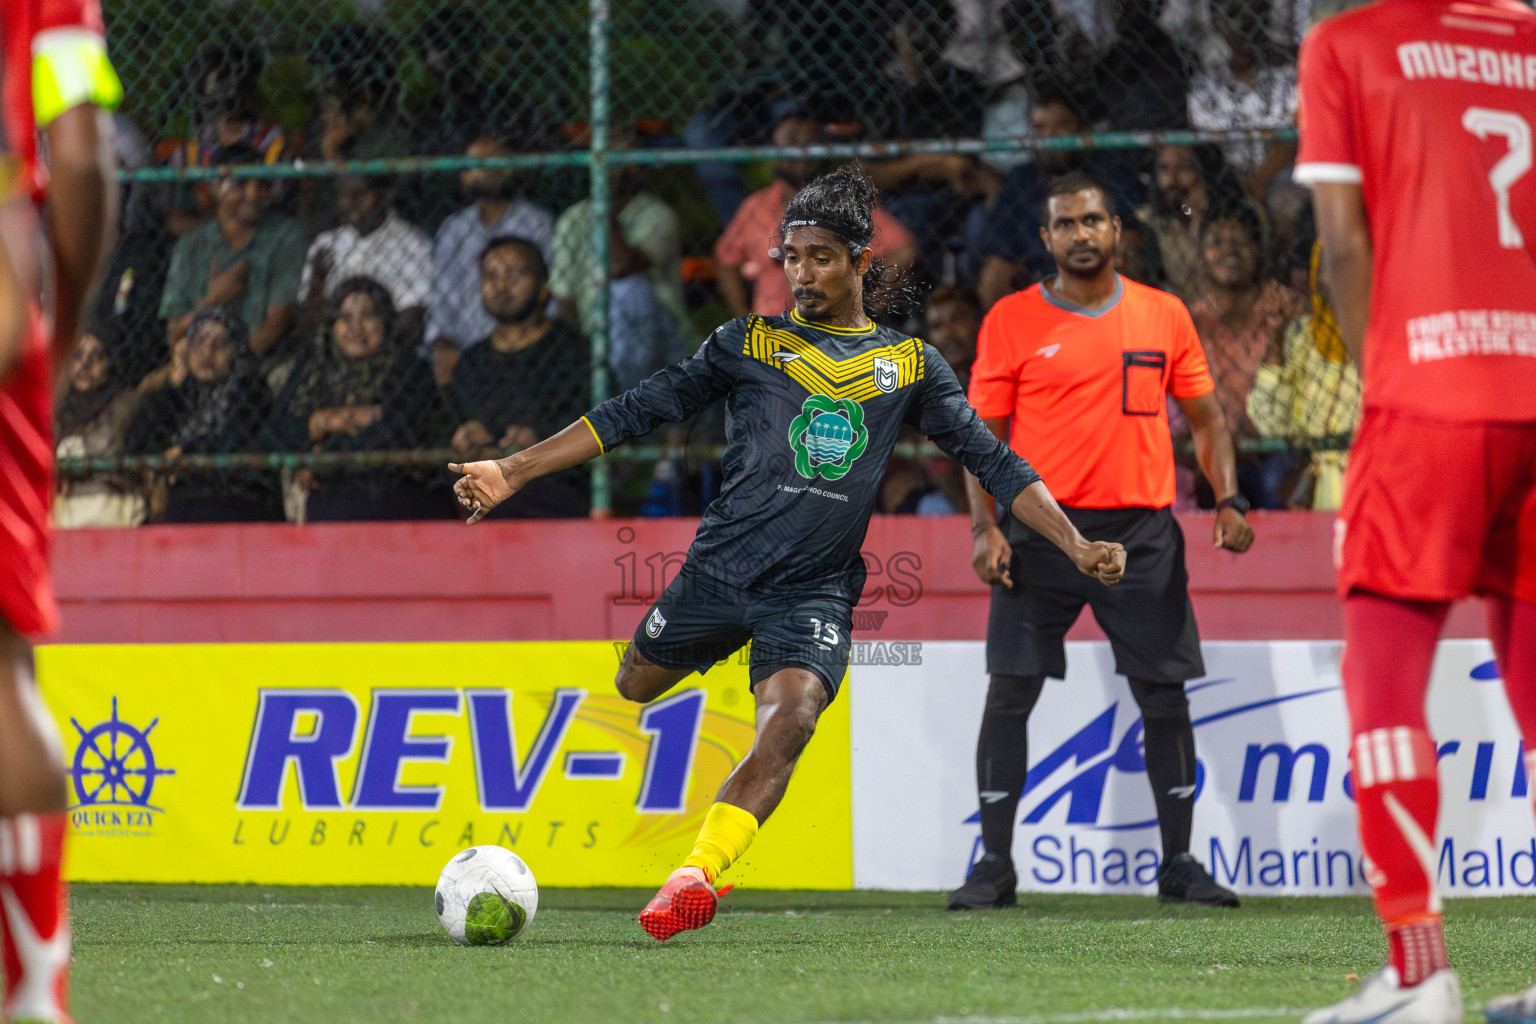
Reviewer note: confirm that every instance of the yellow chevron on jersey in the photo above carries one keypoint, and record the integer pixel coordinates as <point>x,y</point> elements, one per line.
<point>819,373</point>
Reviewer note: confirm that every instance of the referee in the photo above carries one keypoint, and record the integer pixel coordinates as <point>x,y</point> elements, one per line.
<point>1083,363</point>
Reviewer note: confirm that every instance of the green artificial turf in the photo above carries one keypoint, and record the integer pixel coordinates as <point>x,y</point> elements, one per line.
<point>212,954</point>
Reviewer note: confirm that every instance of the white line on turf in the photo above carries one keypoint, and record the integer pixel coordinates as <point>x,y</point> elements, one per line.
<point>1111,1015</point>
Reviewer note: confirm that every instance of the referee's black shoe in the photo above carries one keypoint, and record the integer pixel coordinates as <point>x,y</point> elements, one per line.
<point>991,884</point>
<point>1183,879</point>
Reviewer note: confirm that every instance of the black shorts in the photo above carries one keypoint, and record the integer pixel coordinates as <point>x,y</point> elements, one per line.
<point>699,621</point>
<point>1147,615</point>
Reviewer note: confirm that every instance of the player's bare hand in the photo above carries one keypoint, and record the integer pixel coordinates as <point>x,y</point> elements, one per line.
<point>991,557</point>
<point>1101,559</point>
<point>482,487</point>
<point>1233,531</point>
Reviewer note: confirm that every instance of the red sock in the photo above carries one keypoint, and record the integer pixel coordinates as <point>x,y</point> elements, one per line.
<point>34,905</point>
<point>1418,949</point>
<point>1389,648</point>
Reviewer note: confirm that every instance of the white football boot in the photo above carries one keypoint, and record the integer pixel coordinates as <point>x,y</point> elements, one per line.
<point>1520,1009</point>
<point>1381,1000</point>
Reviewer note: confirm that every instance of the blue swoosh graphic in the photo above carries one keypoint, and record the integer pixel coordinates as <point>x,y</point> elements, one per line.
<point>1208,719</point>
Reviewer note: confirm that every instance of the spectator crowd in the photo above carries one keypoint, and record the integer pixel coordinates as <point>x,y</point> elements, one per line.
<point>371,313</point>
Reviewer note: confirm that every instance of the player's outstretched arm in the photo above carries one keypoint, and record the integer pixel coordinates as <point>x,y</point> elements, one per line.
<point>484,485</point>
<point>1035,508</point>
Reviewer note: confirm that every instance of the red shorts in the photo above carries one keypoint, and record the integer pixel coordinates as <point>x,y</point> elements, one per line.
<point>1436,510</point>
<point>26,487</point>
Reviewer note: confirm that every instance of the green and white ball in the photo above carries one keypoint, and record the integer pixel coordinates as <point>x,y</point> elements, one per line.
<point>486,896</point>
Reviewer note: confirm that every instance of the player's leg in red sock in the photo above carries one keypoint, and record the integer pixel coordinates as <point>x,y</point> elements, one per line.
<point>34,904</point>
<point>1389,648</point>
<point>32,825</point>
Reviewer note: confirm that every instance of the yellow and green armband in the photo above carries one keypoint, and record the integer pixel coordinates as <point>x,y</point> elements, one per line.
<point>70,67</point>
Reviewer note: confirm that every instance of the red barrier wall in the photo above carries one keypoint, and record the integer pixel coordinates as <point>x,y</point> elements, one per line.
<point>581,580</point>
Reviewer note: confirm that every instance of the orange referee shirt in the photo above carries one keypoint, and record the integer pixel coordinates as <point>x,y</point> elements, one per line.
<point>1086,389</point>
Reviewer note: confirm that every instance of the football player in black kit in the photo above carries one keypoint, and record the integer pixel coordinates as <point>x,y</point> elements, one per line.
<point>814,400</point>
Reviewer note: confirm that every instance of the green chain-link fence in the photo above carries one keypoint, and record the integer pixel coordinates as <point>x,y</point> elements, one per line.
<point>303,319</point>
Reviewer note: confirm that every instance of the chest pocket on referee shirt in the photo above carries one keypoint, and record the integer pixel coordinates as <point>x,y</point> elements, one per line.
<point>1141,382</point>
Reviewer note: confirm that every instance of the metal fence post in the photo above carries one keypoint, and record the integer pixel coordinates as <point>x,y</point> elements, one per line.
<point>599,207</point>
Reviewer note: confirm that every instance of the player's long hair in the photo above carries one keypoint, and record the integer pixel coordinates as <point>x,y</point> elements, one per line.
<point>843,202</point>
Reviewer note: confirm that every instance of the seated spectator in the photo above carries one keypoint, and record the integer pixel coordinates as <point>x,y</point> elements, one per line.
<point>450,44</point>
<point>354,65</point>
<point>526,381</point>
<point>1190,180</point>
<point>1140,79</point>
<point>1240,316</point>
<point>1240,93</point>
<point>226,79</point>
<point>906,491</point>
<point>1308,389</point>
<point>248,257</point>
<point>212,403</point>
<point>952,320</point>
<point>1138,257</point>
<point>125,305</point>
<point>91,423</point>
<point>649,326</point>
<point>371,242</point>
<point>1012,253</point>
<point>456,317</point>
<point>361,389</point>
<point>753,282</point>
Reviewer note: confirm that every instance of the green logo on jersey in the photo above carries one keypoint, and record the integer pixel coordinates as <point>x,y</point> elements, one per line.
<point>827,436</point>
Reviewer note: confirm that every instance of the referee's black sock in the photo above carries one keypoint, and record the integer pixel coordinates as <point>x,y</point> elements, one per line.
<point>1002,757</point>
<point>1170,747</point>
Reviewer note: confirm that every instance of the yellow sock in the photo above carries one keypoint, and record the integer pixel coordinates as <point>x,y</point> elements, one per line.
<point>726,834</point>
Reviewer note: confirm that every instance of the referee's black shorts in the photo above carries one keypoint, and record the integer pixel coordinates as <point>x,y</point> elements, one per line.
<point>1147,615</point>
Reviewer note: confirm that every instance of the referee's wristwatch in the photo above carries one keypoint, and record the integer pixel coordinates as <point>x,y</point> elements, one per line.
<point>1237,501</point>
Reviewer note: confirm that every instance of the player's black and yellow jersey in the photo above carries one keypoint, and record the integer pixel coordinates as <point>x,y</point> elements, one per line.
<point>812,414</point>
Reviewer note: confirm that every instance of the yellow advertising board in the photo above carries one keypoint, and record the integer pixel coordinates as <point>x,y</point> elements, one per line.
<point>374,763</point>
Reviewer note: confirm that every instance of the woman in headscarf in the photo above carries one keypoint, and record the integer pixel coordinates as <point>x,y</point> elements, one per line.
<point>363,388</point>
<point>212,403</point>
<point>91,423</point>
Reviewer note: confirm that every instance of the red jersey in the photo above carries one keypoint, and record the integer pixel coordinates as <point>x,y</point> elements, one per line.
<point>1428,105</point>
<point>52,57</point>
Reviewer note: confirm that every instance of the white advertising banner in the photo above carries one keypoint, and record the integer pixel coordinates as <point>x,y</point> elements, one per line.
<point>1274,814</point>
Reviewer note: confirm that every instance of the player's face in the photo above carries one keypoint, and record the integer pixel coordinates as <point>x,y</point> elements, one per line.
<point>88,366</point>
<point>822,275</point>
<point>1231,255</point>
<point>359,330</point>
<point>952,329</point>
<point>509,285</point>
<point>1178,176</point>
<point>1081,234</point>
<point>210,353</point>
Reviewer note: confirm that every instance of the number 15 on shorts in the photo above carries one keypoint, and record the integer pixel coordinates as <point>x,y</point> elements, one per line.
<point>824,633</point>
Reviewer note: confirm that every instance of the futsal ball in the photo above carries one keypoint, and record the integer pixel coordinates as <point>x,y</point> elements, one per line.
<point>485,896</point>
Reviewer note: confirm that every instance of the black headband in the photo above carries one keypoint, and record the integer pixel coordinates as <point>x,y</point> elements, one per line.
<point>848,234</point>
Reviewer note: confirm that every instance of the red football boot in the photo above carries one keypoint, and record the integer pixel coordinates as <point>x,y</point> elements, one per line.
<point>683,904</point>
